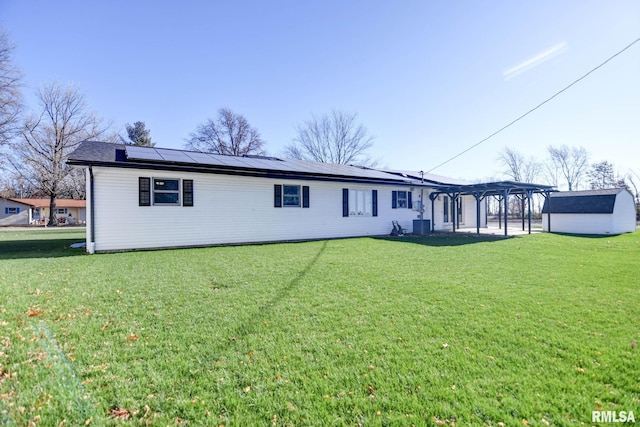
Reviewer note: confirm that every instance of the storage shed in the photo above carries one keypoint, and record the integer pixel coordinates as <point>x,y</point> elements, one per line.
<point>607,211</point>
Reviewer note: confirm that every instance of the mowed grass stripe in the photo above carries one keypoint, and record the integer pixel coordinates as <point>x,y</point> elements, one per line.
<point>424,331</point>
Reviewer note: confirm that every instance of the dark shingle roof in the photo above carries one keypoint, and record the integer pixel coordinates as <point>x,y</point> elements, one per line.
<point>582,202</point>
<point>126,156</point>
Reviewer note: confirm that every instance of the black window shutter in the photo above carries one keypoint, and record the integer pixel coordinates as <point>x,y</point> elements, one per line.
<point>277,196</point>
<point>144,191</point>
<point>17,210</point>
<point>305,196</point>
<point>394,200</point>
<point>409,202</point>
<point>345,202</point>
<point>187,192</point>
<point>374,202</point>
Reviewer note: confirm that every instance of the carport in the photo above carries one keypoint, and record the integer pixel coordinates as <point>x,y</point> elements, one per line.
<point>502,190</point>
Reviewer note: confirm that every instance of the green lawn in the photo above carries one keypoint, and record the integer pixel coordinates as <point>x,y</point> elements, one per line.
<point>535,330</point>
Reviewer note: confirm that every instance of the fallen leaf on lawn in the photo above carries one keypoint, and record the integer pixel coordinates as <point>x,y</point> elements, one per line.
<point>132,337</point>
<point>445,345</point>
<point>33,312</point>
<point>122,414</point>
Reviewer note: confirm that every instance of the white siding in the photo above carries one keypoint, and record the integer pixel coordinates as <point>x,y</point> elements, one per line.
<point>468,212</point>
<point>21,218</point>
<point>229,209</point>
<point>578,223</point>
<point>622,220</point>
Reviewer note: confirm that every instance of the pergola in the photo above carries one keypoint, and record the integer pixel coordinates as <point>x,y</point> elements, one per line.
<point>502,190</point>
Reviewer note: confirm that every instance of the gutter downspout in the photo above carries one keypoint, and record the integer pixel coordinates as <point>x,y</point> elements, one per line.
<point>91,244</point>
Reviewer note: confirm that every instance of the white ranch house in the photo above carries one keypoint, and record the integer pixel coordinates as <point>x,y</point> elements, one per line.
<point>149,198</point>
<point>30,211</point>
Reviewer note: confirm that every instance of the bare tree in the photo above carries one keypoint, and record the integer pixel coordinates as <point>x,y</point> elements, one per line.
<point>601,175</point>
<point>49,136</point>
<point>229,133</point>
<point>332,138</point>
<point>10,95</point>
<point>519,168</point>
<point>571,162</point>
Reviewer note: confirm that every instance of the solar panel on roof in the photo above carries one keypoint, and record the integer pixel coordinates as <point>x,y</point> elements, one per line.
<point>203,158</point>
<point>142,153</point>
<point>261,163</point>
<point>174,156</point>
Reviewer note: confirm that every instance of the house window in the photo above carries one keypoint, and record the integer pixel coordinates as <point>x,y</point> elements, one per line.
<point>11,211</point>
<point>61,211</point>
<point>401,199</point>
<point>360,203</point>
<point>166,191</point>
<point>290,196</point>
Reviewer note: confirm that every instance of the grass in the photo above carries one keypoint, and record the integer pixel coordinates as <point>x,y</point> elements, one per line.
<point>462,330</point>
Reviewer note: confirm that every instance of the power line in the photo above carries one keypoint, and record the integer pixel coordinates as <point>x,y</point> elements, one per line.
<point>536,107</point>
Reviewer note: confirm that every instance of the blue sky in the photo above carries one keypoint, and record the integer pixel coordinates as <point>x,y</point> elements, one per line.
<point>428,79</point>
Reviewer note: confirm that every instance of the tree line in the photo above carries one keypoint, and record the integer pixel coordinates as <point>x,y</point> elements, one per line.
<point>565,167</point>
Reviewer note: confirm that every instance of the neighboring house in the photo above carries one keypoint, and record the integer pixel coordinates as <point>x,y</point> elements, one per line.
<point>143,198</point>
<point>68,211</point>
<point>14,212</point>
<point>609,211</point>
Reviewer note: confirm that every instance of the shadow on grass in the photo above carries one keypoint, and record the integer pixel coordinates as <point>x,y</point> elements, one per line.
<point>445,239</point>
<point>587,236</point>
<point>42,248</point>
<point>261,312</point>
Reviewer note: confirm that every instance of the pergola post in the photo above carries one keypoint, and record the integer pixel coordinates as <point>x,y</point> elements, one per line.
<point>432,197</point>
<point>479,196</point>
<point>529,197</point>
<point>499,211</point>
<point>453,211</point>
<point>506,209</point>
<point>522,209</point>
<point>547,194</point>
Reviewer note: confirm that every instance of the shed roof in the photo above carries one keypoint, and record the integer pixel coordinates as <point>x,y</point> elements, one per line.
<point>19,201</point>
<point>582,202</point>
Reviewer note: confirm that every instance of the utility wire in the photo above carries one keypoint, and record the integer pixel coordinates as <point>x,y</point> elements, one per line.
<point>535,108</point>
